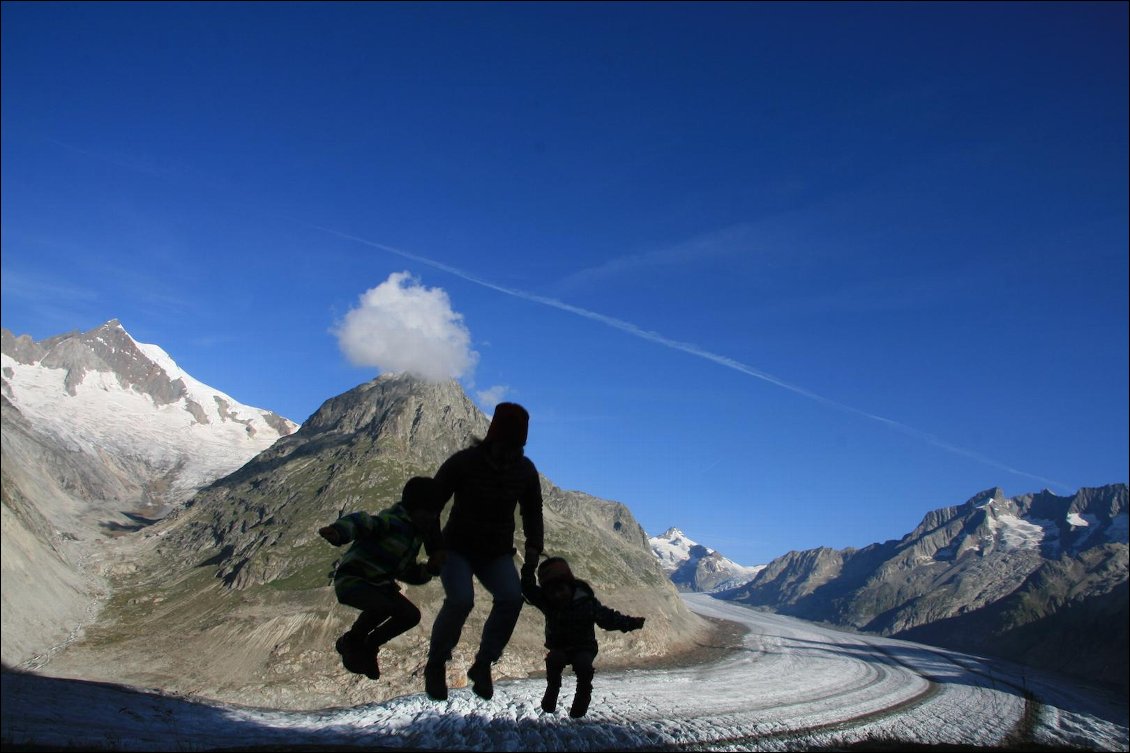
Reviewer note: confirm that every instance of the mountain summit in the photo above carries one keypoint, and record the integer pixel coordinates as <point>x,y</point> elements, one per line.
<point>693,567</point>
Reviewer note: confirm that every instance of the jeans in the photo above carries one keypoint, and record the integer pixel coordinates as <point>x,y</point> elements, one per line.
<point>499,576</point>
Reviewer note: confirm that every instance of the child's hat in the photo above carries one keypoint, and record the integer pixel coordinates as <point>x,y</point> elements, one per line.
<point>554,570</point>
<point>511,424</point>
<point>420,493</point>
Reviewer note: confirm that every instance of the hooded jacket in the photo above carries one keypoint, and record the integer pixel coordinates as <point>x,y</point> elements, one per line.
<point>572,627</point>
<point>385,547</point>
<point>481,523</point>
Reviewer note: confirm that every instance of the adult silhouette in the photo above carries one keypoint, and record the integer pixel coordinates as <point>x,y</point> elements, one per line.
<point>488,480</point>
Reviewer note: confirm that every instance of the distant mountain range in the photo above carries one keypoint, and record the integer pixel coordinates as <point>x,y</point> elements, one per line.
<point>1038,579</point>
<point>693,567</point>
<point>228,596</point>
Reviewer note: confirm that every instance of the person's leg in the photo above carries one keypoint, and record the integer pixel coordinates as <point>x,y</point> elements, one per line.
<point>500,578</point>
<point>391,614</point>
<point>402,615</point>
<point>555,663</point>
<point>375,605</point>
<point>459,598</point>
<point>582,667</point>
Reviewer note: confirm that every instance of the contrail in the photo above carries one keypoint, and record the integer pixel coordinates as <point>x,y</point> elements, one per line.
<point>694,350</point>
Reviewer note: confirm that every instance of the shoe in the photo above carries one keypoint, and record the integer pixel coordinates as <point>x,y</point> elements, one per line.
<point>479,674</point>
<point>549,700</point>
<point>352,654</point>
<point>435,680</point>
<point>580,704</point>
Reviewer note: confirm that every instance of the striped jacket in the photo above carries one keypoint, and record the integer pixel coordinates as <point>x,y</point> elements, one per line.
<point>385,547</point>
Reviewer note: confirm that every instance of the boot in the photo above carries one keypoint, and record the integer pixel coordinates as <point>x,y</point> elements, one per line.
<point>435,680</point>
<point>352,650</point>
<point>549,700</point>
<point>581,701</point>
<point>482,684</point>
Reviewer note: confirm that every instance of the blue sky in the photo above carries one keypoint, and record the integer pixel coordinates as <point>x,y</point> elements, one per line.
<point>782,275</point>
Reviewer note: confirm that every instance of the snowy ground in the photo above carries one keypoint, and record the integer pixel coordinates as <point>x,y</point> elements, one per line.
<point>794,686</point>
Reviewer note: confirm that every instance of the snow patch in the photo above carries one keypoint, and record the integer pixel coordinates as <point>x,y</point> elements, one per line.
<point>1013,532</point>
<point>1075,520</point>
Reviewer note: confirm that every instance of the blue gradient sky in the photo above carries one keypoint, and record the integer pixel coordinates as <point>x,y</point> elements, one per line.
<point>781,275</point>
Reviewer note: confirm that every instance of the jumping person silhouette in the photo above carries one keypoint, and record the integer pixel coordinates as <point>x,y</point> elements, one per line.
<point>488,480</point>
<point>385,547</point>
<point>571,611</point>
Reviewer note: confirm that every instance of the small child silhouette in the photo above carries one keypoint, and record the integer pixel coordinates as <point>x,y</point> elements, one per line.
<point>385,547</point>
<point>571,610</point>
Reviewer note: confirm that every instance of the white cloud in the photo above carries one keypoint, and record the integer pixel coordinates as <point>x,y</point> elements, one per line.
<point>401,326</point>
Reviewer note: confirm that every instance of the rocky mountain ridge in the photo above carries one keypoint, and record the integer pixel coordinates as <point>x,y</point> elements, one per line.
<point>1009,577</point>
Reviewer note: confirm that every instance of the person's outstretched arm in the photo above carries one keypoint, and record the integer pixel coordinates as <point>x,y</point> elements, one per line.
<point>610,619</point>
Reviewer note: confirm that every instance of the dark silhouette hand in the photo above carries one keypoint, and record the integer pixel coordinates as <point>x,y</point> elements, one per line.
<point>530,567</point>
<point>330,534</point>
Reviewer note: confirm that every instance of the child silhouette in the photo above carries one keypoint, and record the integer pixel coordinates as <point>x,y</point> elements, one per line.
<point>571,611</point>
<point>385,547</point>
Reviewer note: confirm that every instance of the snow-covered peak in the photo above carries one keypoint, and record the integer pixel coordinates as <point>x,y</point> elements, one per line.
<point>1044,523</point>
<point>694,567</point>
<point>158,356</point>
<point>103,394</point>
<point>672,548</point>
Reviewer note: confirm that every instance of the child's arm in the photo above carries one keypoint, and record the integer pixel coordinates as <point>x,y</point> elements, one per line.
<point>415,574</point>
<point>350,528</point>
<point>610,619</point>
